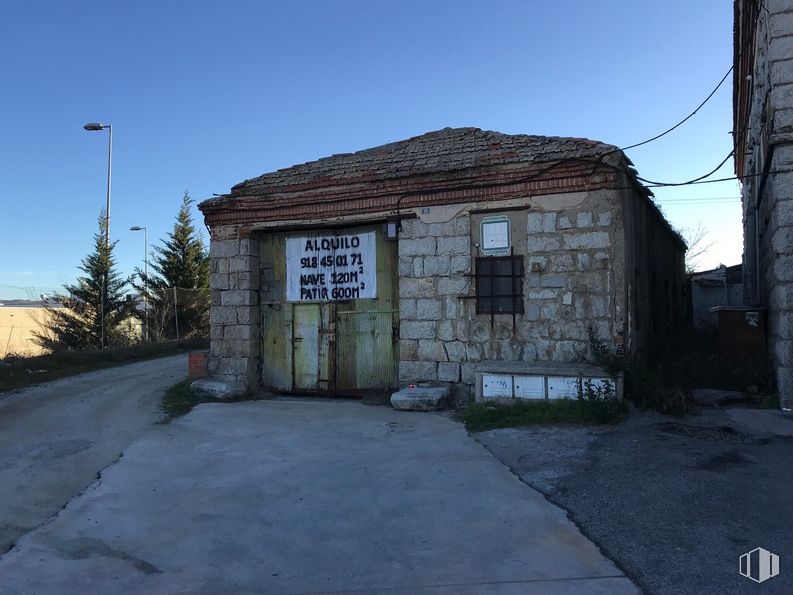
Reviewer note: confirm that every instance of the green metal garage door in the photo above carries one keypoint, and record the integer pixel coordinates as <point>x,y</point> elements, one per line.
<point>327,346</point>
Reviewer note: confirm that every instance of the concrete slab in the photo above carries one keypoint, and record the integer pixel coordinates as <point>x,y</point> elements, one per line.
<point>716,396</point>
<point>307,497</point>
<point>421,398</point>
<point>771,421</point>
<point>216,389</point>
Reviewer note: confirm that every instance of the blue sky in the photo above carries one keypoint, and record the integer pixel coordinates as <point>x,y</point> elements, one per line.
<point>203,95</point>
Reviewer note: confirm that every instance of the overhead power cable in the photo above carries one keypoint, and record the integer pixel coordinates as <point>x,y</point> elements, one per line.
<point>704,101</point>
<point>695,199</point>
<point>707,175</point>
<point>684,120</point>
<point>680,123</point>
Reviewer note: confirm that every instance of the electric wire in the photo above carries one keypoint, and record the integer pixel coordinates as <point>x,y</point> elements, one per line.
<point>688,117</point>
<point>707,175</point>
<point>684,120</point>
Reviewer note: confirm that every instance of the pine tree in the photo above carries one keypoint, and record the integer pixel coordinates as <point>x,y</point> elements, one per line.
<point>89,314</point>
<point>182,262</point>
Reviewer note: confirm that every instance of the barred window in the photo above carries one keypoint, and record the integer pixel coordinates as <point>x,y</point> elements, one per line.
<point>499,285</point>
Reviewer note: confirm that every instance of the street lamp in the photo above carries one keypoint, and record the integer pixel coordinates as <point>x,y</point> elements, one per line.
<point>93,127</point>
<point>145,279</point>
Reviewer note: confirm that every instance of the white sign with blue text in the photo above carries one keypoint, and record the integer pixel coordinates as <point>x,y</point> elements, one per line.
<point>331,268</point>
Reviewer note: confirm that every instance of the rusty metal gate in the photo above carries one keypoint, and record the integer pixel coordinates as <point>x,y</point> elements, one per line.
<point>322,345</point>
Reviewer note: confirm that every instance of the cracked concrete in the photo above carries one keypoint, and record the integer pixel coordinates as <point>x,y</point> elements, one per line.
<point>56,437</point>
<point>307,496</point>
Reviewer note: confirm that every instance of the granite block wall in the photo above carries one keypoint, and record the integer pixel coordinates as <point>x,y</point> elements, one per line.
<point>568,287</point>
<point>234,315</point>
<point>768,199</point>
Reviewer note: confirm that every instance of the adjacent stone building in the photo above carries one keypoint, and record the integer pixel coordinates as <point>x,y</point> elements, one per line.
<point>763,136</point>
<point>426,260</point>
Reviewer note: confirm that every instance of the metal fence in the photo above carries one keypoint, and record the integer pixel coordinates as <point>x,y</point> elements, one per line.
<point>173,313</point>
<point>23,314</point>
<point>156,316</point>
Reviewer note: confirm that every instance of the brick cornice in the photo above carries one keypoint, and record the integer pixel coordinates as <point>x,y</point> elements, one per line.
<point>359,196</point>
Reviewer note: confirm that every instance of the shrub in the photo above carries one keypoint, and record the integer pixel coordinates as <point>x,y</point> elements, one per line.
<point>599,401</point>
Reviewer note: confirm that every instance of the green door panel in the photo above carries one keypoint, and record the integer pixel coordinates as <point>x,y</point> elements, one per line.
<point>329,347</point>
<point>305,350</point>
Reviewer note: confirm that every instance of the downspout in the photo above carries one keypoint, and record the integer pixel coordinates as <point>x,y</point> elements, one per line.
<point>726,287</point>
<point>757,246</point>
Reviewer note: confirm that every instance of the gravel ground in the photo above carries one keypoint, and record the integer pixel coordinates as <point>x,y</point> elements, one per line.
<point>674,501</point>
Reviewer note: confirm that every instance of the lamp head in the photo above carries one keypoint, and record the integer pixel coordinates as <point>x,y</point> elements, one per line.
<point>93,126</point>
<point>136,228</point>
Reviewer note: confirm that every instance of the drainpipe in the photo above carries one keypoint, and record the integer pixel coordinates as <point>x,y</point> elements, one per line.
<point>774,140</point>
<point>726,287</point>
<point>757,247</point>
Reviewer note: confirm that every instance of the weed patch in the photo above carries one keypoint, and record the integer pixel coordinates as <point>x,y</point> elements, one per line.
<point>661,385</point>
<point>648,388</point>
<point>479,417</point>
<point>767,401</point>
<point>179,400</point>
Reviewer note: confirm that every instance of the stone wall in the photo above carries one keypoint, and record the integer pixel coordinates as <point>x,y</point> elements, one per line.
<point>569,285</point>
<point>653,275</point>
<point>434,260</point>
<point>768,200</point>
<point>234,316</point>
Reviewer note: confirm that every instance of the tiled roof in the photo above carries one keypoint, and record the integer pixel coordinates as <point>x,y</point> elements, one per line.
<point>447,150</point>
<point>449,166</point>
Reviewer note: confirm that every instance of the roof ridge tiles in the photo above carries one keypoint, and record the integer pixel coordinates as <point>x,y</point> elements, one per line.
<point>438,151</point>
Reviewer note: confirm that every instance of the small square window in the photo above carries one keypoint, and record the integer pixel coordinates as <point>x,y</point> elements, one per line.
<point>499,285</point>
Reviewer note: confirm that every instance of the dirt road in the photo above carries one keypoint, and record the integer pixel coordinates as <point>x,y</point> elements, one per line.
<point>56,437</point>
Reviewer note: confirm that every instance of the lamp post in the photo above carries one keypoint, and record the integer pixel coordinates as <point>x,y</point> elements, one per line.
<point>145,279</point>
<point>92,127</point>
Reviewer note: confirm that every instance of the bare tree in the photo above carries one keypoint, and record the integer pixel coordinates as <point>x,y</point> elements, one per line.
<point>696,239</point>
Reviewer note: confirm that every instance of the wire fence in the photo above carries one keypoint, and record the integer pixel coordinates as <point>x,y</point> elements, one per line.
<point>173,313</point>
<point>23,314</point>
<point>155,316</point>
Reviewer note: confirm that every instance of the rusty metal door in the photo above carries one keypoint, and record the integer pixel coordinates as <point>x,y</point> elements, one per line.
<point>366,350</point>
<point>276,316</point>
<point>296,337</point>
<point>367,332</point>
<point>332,347</point>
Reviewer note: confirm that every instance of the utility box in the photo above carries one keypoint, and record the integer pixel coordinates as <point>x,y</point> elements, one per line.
<point>741,331</point>
<point>507,381</point>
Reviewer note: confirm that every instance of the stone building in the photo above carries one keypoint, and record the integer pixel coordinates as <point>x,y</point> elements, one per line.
<point>763,137</point>
<point>722,286</point>
<point>425,260</point>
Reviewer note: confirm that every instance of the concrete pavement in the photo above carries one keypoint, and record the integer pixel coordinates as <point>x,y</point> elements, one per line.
<point>56,437</point>
<point>293,496</point>
<point>770,421</point>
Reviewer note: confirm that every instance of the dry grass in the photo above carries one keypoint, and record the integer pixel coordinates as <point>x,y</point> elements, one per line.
<point>18,327</point>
